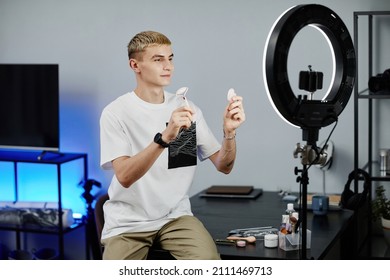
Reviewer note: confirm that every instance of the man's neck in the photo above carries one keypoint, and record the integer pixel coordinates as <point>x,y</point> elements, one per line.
<point>150,95</point>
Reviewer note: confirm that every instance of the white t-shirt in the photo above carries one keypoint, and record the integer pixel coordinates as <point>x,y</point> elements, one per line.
<point>127,126</point>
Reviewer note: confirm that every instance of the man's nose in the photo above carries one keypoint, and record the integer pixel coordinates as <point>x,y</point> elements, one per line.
<point>168,66</point>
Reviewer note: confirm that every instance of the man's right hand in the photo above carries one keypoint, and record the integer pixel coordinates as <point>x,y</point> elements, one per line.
<point>181,118</point>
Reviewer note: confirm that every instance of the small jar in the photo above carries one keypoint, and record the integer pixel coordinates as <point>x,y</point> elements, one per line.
<point>271,240</point>
<point>384,159</point>
<point>240,243</point>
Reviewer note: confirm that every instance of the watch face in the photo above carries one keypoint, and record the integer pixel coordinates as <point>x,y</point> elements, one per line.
<point>158,140</point>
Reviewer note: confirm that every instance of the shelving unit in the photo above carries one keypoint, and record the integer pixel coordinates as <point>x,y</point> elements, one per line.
<point>57,159</point>
<point>372,164</point>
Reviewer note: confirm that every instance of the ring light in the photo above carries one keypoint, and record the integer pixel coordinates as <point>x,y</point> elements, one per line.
<point>298,111</point>
<point>303,112</point>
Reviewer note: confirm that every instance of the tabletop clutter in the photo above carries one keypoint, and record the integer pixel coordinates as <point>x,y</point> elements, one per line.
<point>289,234</point>
<point>287,237</point>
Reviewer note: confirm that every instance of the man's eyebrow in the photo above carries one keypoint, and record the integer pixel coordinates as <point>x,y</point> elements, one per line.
<point>160,55</point>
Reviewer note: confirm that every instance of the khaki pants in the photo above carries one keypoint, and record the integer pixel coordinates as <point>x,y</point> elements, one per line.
<point>185,238</point>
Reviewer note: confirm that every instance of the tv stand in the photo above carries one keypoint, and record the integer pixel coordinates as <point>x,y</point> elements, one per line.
<point>16,158</point>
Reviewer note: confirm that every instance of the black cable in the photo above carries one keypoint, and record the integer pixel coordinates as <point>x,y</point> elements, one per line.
<point>323,147</point>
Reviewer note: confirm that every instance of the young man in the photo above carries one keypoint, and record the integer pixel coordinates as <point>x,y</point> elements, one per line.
<point>152,139</point>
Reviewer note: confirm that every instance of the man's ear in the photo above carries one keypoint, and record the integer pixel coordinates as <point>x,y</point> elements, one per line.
<point>133,63</point>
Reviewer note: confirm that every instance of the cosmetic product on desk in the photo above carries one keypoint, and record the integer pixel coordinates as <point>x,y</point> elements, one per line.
<point>289,237</point>
<point>384,161</point>
<point>289,220</point>
<point>257,232</point>
<point>249,239</point>
<point>224,242</point>
<point>285,225</point>
<point>237,242</point>
<point>271,241</point>
<point>294,221</point>
<point>290,209</point>
<point>241,243</point>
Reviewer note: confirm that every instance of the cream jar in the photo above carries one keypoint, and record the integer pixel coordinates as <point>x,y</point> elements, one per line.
<point>271,240</point>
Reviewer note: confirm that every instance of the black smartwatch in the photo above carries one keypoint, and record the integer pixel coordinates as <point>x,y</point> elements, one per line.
<point>160,141</point>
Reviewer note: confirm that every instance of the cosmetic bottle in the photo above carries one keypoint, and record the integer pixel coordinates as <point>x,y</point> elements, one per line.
<point>285,225</point>
<point>290,209</point>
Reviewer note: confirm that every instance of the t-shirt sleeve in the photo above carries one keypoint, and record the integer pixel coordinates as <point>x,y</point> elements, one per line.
<point>113,141</point>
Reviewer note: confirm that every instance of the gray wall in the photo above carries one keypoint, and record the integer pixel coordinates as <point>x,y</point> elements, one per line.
<point>217,44</point>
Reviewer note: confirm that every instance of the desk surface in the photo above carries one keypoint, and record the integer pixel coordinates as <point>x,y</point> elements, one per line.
<point>220,215</point>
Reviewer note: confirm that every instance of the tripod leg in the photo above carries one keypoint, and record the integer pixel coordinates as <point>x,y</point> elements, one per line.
<point>92,237</point>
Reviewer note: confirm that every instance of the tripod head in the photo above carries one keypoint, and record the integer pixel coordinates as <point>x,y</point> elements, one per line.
<point>88,185</point>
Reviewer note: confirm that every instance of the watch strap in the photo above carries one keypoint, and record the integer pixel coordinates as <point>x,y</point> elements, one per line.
<point>158,139</point>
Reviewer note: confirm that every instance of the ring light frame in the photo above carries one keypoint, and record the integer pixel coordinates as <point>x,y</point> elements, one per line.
<point>309,114</point>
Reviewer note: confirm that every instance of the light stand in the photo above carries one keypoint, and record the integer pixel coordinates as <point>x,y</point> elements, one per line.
<point>309,156</point>
<point>308,114</point>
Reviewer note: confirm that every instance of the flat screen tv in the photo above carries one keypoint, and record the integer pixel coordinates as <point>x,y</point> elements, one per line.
<point>29,107</point>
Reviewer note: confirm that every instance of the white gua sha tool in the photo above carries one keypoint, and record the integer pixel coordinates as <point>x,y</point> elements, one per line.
<point>230,94</point>
<point>181,92</point>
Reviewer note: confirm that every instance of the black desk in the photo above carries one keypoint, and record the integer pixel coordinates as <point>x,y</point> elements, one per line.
<point>220,215</point>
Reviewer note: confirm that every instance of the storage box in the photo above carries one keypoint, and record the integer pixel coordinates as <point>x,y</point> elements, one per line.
<point>293,241</point>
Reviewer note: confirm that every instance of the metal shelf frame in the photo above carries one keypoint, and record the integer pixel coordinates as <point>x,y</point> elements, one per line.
<point>368,97</point>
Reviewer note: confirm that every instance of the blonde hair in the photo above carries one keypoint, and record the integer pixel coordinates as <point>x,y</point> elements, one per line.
<point>145,39</point>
